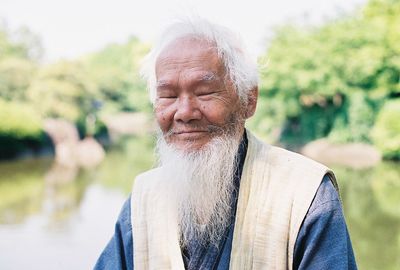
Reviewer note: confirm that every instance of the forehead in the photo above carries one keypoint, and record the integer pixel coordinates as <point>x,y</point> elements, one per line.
<point>191,55</point>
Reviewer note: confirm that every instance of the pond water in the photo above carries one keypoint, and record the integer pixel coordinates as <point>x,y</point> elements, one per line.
<point>58,218</point>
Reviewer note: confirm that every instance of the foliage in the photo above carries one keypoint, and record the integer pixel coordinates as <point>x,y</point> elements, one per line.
<point>20,128</point>
<point>326,81</point>
<point>115,72</point>
<point>20,124</point>
<point>21,43</point>
<point>19,52</point>
<point>16,75</point>
<point>332,80</point>
<point>62,90</point>
<point>103,82</point>
<point>19,120</point>
<point>386,131</point>
<point>269,118</point>
<point>353,122</point>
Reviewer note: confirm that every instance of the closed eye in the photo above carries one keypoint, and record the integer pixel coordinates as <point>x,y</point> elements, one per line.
<point>205,94</point>
<point>208,93</point>
<point>167,94</point>
<point>167,97</point>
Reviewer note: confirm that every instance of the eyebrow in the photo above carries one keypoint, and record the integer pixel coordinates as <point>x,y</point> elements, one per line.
<point>207,78</point>
<point>163,83</point>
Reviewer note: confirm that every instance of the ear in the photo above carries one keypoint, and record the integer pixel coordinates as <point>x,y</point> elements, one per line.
<point>252,102</point>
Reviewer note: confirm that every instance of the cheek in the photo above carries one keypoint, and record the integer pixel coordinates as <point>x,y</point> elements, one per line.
<point>164,117</point>
<point>221,112</point>
<point>215,113</point>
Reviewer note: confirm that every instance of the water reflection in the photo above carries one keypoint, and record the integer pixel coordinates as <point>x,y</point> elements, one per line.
<point>64,190</point>
<point>74,243</point>
<point>371,202</point>
<point>386,188</point>
<point>21,189</point>
<point>61,218</point>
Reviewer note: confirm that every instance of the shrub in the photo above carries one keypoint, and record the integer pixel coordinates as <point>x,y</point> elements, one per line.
<point>20,129</point>
<point>386,131</point>
<point>19,120</point>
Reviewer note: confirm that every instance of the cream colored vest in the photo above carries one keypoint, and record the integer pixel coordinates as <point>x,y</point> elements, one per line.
<point>276,190</point>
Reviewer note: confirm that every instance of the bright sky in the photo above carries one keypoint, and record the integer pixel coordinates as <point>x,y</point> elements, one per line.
<point>72,28</point>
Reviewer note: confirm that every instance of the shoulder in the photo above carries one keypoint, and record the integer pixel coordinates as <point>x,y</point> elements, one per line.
<point>326,207</point>
<point>327,199</point>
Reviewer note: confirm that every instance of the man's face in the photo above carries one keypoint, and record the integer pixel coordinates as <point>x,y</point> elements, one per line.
<point>195,101</point>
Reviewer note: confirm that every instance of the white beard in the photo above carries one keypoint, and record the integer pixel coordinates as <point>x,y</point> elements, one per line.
<point>203,186</point>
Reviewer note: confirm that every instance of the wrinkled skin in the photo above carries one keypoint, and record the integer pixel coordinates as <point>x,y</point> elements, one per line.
<point>195,99</point>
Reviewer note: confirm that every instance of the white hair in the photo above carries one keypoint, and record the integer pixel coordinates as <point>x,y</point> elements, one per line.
<point>240,67</point>
<point>202,182</point>
<point>202,185</point>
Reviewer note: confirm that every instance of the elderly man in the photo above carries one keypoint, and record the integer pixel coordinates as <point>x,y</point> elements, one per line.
<point>220,198</point>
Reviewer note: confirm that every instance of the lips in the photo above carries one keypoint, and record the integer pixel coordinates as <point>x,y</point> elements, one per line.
<point>189,135</point>
<point>188,131</point>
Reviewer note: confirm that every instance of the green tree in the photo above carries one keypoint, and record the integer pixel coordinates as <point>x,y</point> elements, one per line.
<point>332,80</point>
<point>62,90</point>
<point>115,72</point>
<point>21,43</point>
<point>386,131</point>
<point>16,75</point>
<point>20,51</point>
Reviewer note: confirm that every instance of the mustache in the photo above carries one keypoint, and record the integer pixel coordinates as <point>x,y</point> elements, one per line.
<point>229,127</point>
<point>212,129</point>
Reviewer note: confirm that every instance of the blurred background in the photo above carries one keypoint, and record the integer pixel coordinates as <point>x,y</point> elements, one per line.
<point>76,126</point>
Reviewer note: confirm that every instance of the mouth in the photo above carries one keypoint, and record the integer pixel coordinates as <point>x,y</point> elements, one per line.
<point>189,135</point>
<point>180,132</point>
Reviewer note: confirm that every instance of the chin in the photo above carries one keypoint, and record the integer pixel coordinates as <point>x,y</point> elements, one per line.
<point>189,146</point>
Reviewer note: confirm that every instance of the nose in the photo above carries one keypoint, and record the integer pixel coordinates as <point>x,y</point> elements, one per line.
<point>188,110</point>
